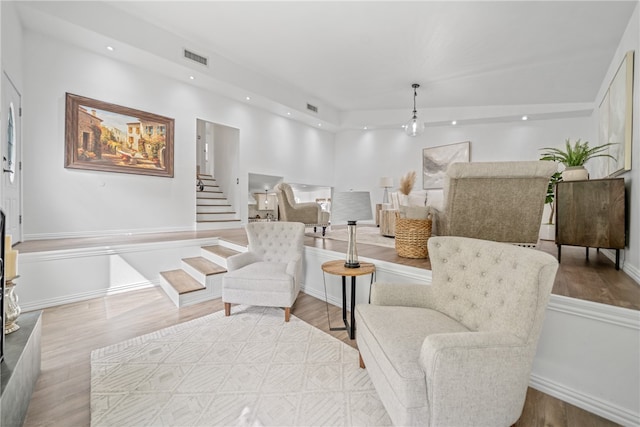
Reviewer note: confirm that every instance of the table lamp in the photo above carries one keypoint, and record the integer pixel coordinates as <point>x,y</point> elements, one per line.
<point>350,207</point>
<point>386,182</point>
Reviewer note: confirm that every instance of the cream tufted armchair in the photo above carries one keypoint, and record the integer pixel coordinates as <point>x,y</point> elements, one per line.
<point>269,273</point>
<point>458,352</point>
<point>310,214</point>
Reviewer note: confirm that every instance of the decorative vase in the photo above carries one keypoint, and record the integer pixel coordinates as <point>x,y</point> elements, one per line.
<point>11,308</point>
<point>575,173</point>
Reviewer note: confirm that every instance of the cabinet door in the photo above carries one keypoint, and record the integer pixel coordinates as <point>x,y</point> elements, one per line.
<point>591,213</point>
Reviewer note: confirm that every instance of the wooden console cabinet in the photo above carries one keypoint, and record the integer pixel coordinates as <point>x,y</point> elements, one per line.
<point>592,214</point>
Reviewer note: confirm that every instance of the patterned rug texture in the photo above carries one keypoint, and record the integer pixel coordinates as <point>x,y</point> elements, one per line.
<point>367,235</point>
<point>249,369</point>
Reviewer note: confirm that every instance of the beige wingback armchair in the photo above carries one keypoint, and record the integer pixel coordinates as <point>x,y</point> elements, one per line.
<point>499,201</point>
<point>458,352</point>
<point>310,214</point>
<point>269,273</point>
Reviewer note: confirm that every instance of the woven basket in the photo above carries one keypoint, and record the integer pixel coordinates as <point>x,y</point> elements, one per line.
<point>412,236</point>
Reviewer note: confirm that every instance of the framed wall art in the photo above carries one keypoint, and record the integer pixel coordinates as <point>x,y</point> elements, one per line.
<point>616,118</point>
<point>436,160</point>
<point>107,137</point>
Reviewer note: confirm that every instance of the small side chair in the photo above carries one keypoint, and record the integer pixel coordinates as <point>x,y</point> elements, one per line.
<point>269,273</point>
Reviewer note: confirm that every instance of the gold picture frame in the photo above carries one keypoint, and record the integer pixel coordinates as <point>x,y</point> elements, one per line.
<point>107,137</point>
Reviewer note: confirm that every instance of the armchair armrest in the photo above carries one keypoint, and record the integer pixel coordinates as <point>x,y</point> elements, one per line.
<point>293,266</point>
<point>404,295</point>
<point>237,261</point>
<point>478,368</point>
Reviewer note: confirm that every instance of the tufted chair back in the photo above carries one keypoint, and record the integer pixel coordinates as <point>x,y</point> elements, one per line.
<point>276,241</point>
<point>489,286</point>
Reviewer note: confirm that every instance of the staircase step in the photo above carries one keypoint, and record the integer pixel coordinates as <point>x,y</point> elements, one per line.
<point>211,202</point>
<point>205,266</point>
<point>210,195</point>
<point>220,251</point>
<point>207,209</point>
<point>182,282</point>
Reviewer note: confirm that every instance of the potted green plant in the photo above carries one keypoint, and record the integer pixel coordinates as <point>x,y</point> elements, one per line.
<point>574,157</point>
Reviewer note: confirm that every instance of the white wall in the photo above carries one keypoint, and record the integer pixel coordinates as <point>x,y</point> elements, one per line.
<point>630,41</point>
<point>389,152</point>
<point>61,202</point>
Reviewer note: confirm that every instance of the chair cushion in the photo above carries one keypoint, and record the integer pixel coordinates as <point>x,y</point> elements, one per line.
<point>259,276</point>
<point>395,336</point>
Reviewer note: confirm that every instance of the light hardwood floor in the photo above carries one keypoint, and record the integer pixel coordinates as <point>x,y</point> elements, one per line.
<point>72,331</point>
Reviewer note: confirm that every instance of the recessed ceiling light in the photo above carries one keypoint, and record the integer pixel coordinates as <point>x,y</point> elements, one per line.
<point>365,128</point>
<point>110,48</point>
<point>192,78</point>
<point>248,98</point>
<point>319,125</point>
<point>288,113</point>
<point>525,118</point>
<point>453,122</point>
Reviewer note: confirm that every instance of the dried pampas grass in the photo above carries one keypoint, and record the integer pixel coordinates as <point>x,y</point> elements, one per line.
<point>406,183</point>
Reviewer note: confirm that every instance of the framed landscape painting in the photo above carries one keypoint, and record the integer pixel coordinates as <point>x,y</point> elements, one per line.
<point>616,118</point>
<point>436,160</point>
<point>107,137</point>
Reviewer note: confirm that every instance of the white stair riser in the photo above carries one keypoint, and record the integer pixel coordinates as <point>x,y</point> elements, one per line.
<point>213,209</point>
<point>199,276</point>
<point>212,202</point>
<point>212,291</point>
<point>205,195</point>
<point>213,257</point>
<point>170,291</point>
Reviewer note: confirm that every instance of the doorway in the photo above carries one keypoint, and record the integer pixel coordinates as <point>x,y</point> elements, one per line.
<point>11,149</point>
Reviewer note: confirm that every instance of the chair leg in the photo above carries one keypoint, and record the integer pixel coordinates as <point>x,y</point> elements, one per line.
<point>287,314</point>
<point>227,309</point>
<point>361,361</point>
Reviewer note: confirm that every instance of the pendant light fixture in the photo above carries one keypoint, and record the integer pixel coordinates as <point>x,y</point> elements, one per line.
<point>414,127</point>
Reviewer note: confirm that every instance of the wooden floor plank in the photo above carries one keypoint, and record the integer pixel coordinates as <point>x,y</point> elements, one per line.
<point>70,332</point>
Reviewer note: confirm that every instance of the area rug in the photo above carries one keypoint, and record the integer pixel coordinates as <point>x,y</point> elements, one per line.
<point>366,235</point>
<point>249,369</point>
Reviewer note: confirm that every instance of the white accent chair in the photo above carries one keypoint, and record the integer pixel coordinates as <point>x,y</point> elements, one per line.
<point>310,213</point>
<point>458,352</point>
<point>269,273</point>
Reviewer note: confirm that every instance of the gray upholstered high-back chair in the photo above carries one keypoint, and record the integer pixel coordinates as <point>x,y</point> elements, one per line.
<point>269,273</point>
<point>458,352</point>
<point>499,201</point>
<point>310,213</point>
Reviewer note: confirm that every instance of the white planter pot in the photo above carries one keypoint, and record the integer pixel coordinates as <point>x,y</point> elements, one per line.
<point>575,173</point>
<point>547,232</point>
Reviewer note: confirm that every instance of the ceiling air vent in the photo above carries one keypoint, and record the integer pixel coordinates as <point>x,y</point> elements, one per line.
<point>195,57</point>
<point>312,108</point>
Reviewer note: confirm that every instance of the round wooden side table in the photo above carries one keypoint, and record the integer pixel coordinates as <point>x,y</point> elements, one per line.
<point>337,268</point>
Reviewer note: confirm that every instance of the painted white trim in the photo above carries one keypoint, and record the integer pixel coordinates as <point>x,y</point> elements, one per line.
<point>83,296</point>
<point>589,403</point>
<point>105,233</point>
<point>34,257</point>
<point>595,311</point>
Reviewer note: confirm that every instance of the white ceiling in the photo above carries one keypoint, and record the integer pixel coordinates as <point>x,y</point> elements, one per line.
<point>352,58</point>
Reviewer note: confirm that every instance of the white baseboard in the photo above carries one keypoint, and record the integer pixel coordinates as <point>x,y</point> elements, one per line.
<point>68,299</point>
<point>589,403</point>
<point>105,233</point>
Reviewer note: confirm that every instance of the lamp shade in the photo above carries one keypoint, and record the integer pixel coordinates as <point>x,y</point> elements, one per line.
<point>350,206</point>
<point>386,181</point>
